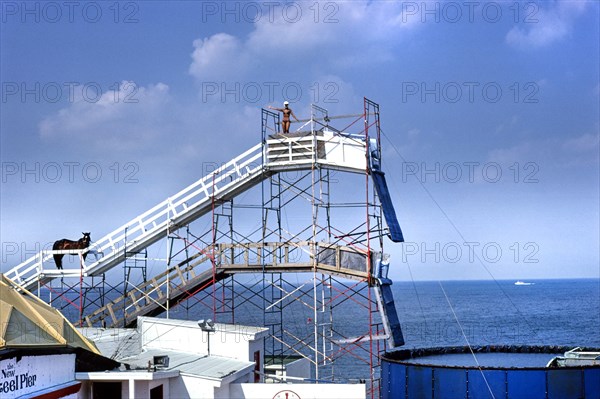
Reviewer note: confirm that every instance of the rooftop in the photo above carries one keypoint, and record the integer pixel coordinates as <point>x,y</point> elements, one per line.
<point>212,367</point>
<point>115,343</point>
<point>252,331</point>
<point>28,322</point>
<point>136,348</point>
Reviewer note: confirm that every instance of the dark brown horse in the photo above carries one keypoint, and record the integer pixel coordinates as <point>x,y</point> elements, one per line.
<point>82,243</point>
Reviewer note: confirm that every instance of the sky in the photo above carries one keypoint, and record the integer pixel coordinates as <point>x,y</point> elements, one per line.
<point>490,115</point>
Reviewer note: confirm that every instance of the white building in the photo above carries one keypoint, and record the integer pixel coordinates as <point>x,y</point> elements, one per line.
<point>43,356</point>
<point>165,358</point>
<point>170,358</point>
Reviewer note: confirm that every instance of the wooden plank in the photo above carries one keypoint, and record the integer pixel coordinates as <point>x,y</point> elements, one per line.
<point>112,314</point>
<point>180,274</point>
<point>157,288</point>
<point>134,300</point>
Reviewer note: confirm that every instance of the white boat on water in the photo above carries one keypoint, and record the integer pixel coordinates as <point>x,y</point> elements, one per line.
<point>523,283</point>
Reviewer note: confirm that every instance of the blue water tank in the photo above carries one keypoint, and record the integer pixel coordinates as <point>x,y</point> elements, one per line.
<point>487,372</point>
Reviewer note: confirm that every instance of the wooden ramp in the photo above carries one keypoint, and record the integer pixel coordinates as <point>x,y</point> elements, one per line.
<point>182,281</point>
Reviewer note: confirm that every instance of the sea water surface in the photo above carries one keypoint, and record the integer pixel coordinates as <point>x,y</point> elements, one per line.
<point>548,312</point>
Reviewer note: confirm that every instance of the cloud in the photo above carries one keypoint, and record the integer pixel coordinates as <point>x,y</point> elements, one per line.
<point>314,36</point>
<point>119,120</point>
<point>414,132</point>
<point>507,125</point>
<point>146,124</point>
<point>528,151</point>
<point>572,151</point>
<point>546,25</point>
<point>586,143</point>
<point>216,55</point>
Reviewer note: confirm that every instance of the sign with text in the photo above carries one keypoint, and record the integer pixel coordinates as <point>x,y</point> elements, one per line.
<point>34,373</point>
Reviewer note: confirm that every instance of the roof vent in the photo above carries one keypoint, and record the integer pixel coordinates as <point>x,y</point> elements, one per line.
<point>161,361</point>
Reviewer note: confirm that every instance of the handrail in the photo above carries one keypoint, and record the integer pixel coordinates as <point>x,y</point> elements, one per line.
<point>156,218</point>
<point>149,295</point>
<point>240,173</point>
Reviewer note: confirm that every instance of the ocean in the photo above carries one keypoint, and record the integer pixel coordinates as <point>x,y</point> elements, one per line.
<point>547,312</point>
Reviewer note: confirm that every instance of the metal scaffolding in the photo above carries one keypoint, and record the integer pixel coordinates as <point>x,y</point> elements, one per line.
<point>297,252</point>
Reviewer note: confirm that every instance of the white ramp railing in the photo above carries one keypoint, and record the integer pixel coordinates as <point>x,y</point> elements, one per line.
<point>185,206</point>
<point>248,169</point>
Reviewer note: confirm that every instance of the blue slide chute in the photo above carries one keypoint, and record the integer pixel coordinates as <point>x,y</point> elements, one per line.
<point>384,197</point>
<point>387,205</point>
<point>387,307</point>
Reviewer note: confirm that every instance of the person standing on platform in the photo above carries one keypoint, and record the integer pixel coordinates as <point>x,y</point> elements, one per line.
<point>287,111</point>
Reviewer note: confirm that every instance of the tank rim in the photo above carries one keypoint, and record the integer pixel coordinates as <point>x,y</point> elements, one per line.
<point>402,356</point>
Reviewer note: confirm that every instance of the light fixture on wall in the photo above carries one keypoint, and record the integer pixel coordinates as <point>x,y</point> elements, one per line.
<point>207,326</point>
